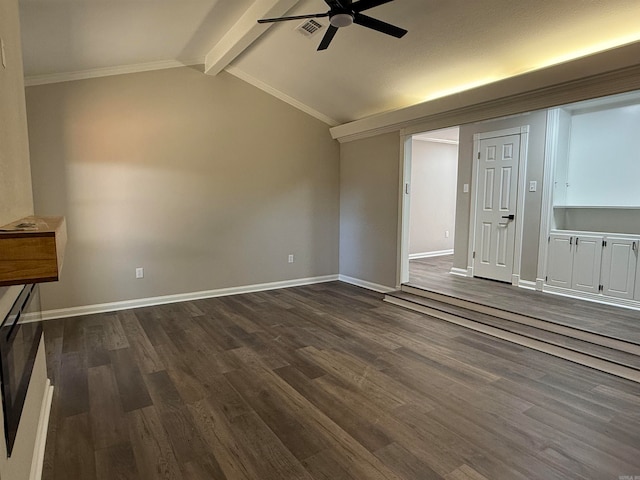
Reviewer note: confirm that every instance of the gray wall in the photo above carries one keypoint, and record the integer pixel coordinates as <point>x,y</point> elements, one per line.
<point>369,176</point>
<point>206,182</point>
<point>433,196</point>
<point>533,201</point>
<point>16,202</point>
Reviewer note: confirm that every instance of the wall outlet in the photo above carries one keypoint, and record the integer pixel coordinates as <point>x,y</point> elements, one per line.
<point>533,186</point>
<point>446,234</point>
<point>139,272</point>
<point>290,258</point>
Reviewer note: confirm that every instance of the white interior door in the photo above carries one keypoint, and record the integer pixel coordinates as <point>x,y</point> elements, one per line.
<point>496,199</point>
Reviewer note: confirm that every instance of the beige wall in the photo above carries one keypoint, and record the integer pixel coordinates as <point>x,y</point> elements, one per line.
<point>533,201</point>
<point>16,202</point>
<point>433,196</point>
<point>205,182</point>
<point>369,176</point>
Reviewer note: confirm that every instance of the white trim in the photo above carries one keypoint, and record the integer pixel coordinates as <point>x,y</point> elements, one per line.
<point>182,297</point>
<point>527,284</point>
<point>37,460</point>
<point>550,156</point>
<point>437,253</point>
<point>592,297</point>
<point>521,198</point>
<point>505,132</point>
<point>108,71</point>
<point>404,208</point>
<point>236,72</point>
<point>539,284</point>
<point>461,272</point>
<point>515,279</point>
<point>436,140</point>
<point>365,284</point>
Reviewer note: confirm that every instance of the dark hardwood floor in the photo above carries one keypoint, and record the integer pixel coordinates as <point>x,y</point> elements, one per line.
<point>611,321</point>
<point>323,382</point>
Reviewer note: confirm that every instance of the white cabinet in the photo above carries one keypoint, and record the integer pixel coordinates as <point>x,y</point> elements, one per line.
<point>619,267</point>
<point>592,263</point>
<point>560,260</point>
<point>587,255</point>
<point>574,262</point>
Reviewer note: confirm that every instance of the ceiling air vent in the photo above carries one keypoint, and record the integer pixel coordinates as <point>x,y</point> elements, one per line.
<point>309,28</point>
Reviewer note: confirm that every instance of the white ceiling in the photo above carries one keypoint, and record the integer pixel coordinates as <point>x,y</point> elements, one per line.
<point>452,45</point>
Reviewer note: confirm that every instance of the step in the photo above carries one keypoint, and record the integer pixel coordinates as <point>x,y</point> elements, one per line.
<point>589,353</point>
<point>562,329</point>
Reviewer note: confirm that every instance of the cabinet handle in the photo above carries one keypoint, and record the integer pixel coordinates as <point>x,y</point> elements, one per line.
<point>635,246</point>
<point>577,238</point>
<point>570,240</point>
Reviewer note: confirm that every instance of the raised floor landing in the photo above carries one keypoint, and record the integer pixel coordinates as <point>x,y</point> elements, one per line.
<point>433,274</point>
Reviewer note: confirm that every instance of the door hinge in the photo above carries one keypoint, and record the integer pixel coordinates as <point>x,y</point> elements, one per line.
<point>406,188</point>
<point>474,255</point>
<point>478,155</point>
<point>546,279</point>
<point>549,239</point>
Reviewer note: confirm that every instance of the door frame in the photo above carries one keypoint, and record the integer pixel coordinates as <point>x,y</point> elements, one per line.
<point>523,131</point>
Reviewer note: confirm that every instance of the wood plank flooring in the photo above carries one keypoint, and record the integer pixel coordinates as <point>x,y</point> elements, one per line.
<point>322,382</point>
<point>615,322</point>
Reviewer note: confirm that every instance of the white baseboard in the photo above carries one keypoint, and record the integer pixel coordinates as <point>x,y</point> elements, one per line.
<point>539,284</point>
<point>37,460</point>
<point>364,284</point>
<point>526,284</point>
<point>181,297</point>
<point>593,297</point>
<point>461,272</point>
<point>437,253</point>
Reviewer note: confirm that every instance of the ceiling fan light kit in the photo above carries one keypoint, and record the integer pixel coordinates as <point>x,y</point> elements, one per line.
<point>343,13</point>
<point>341,20</point>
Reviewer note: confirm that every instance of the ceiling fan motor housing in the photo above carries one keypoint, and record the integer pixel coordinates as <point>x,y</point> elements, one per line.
<point>341,19</point>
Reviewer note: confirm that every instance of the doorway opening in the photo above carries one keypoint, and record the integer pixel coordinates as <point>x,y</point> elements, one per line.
<point>430,176</point>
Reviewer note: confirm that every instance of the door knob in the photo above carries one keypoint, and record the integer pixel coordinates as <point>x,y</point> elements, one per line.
<point>510,217</point>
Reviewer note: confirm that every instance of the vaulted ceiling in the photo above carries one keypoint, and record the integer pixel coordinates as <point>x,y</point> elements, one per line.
<point>452,45</point>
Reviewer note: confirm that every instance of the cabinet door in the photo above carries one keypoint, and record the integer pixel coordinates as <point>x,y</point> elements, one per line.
<point>587,255</point>
<point>619,259</point>
<point>560,260</point>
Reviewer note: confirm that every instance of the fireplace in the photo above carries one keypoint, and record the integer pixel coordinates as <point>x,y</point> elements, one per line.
<point>20,334</point>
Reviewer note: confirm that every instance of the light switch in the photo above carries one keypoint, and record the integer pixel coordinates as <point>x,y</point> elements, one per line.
<point>465,188</point>
<point>533,186</point>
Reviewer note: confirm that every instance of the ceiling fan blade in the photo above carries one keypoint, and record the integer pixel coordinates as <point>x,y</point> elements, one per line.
<point>379,25</point>
<point>363,5</point>
<point>295,17</point>
<point>337,4</point>
<point>326,40</point>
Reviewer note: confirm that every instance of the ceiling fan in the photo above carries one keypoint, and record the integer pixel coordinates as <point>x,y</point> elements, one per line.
<point>343,13</point>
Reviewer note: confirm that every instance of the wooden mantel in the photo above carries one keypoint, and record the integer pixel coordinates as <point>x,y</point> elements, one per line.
<point>32,250</point>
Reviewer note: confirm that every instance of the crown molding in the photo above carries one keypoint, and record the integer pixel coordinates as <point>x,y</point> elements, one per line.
<point>34,80</point>
<point>236,72</point>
